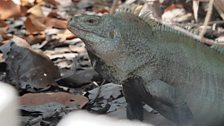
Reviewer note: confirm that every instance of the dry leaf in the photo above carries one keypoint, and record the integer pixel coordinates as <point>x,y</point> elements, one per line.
<point>34,24</point>
<point>171,12</point>
<point>20,41</point>
<point>63,64</point>
<point>53,2</point>
<point>36,11</point>
<point>53,14</point>
<point>27,2</point>
<point>130,1</point>
<point>78,49</point>
<point>56,23</point>
<point>219,4</point>
<point>102,10</point>
<point>220,39</point>
<point>8,9</point>
<point>64,2</point>
<point>6,38</point>
<point>3,27</point>
<point>59,97</point>
<point>195,9</point>
<point>183,18</point>
<point>75,1</point>
<point>66,35</point>
<point>35,38</point>
<point>39,1</point>
<point>28,70</point>
<point>152,8</point>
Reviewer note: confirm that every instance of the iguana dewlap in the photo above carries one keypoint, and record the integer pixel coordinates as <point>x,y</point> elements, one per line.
<point>173,73</point>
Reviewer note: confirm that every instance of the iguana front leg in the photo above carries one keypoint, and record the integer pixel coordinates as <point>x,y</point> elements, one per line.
<point>131,88</point>
<point>160,96</point>
<point>169,102</point>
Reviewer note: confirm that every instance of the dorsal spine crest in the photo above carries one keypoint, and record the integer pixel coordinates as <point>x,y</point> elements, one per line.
<point>155,25</point>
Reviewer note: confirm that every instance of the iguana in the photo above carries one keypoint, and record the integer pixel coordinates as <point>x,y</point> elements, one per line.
<point>173,73</point>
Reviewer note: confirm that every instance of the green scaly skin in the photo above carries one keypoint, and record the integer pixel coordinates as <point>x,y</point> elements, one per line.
<point>173,73</point>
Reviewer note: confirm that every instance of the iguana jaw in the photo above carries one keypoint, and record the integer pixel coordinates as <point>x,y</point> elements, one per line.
<point>82,34</point>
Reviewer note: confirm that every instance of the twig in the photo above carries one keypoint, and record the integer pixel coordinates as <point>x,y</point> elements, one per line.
<point>207,18</point>
<point>114,6</point>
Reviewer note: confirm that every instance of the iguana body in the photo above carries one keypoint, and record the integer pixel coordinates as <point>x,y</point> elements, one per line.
<point>173,73</point>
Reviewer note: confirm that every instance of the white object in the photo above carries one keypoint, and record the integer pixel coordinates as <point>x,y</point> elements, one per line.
<point>8,106</point>
<point>82,118</point>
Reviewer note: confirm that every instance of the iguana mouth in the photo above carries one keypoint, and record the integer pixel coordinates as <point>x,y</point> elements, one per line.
<point>82,33</point>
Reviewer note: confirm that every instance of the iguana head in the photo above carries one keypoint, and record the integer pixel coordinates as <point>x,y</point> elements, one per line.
<point>115,39</point>
<point>98,33</point>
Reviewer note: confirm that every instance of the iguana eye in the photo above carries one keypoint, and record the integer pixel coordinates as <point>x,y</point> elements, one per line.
<point>91,21</point>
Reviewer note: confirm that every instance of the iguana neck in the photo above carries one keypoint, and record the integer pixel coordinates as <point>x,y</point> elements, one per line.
<point>136,53</point>
<point>138,46</point>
